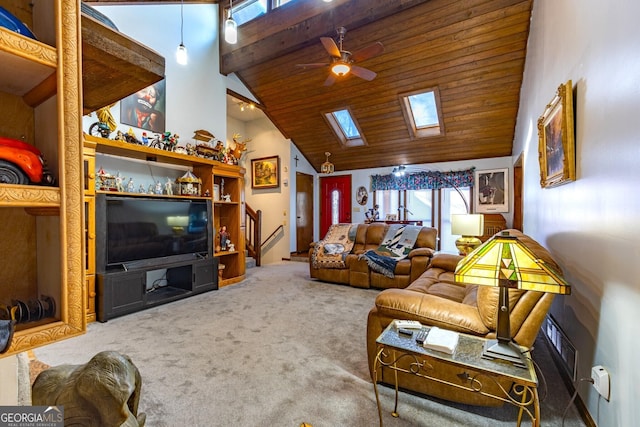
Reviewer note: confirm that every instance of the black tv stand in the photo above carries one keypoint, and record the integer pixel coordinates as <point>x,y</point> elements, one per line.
<point>125,292</point>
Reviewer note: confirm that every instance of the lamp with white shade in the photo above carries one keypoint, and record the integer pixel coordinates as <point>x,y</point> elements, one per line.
<point>468,227</point>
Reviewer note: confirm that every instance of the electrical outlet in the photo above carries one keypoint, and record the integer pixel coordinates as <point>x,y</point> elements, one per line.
<point>601,380</point>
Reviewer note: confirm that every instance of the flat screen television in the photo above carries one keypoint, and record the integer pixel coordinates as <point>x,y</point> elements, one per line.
<point>144,231</point>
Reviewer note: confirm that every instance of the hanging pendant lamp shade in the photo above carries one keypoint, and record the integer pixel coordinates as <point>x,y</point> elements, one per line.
<point>181,53</point>
<point>182,57</point>
<point>230,27</point>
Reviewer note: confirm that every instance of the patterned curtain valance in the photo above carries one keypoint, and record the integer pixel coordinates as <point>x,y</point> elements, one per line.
<point>423,180</point>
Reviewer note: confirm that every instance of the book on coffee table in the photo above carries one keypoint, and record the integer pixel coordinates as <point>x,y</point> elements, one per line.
<point>441,340</point>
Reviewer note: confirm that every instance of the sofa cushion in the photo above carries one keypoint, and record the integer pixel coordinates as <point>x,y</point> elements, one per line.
<point>430,310</point>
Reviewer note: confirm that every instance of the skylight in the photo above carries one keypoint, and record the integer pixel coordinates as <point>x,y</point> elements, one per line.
<point>345,127</point>
<point>422,112</point>
<point>248,10</point>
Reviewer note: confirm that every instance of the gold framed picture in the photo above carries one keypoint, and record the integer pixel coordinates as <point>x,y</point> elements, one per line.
<point>556,143</point>
<point>265,172</point>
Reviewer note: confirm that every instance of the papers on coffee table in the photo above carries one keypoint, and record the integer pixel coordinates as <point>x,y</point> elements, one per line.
<point>441,340</point>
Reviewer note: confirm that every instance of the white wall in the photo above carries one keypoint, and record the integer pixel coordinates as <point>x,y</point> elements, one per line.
<point>196,93</point>
<point>267,141</point>
<point>592,225</point>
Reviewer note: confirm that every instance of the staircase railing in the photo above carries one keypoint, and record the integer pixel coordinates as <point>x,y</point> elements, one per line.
<point>253,231</point>
<point>280,227</point>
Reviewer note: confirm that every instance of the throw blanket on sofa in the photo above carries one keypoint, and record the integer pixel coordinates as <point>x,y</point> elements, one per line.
<point>331,251</point>
<point>396,245</point>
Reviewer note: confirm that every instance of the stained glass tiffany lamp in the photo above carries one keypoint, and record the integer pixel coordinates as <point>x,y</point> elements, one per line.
<point>506,262</point>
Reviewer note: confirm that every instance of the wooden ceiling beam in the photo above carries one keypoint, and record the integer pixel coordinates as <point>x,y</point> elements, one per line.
<point>281,31</point>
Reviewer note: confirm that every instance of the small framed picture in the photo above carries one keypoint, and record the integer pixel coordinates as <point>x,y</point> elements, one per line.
<point>491,191</point>
<point>391,217</point>
<point>362,195</point>
<point>265,172</point>
<point>556,146</point>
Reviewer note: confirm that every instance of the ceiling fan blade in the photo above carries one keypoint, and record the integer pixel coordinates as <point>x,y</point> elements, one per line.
<point>330,80</point>
<point>314,65</point>
<point>330,46</point>
<point>368,52</point>
<point>363,73</point>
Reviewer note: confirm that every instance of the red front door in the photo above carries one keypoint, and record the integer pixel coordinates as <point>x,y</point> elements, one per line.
<point>335,201</point>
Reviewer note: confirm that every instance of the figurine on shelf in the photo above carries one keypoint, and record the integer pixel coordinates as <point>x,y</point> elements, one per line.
<point>372,215</point>
<point>145,138</point>
<point>130,186</point>
<point>224,238</point>
<point>240,148</point>
<point>150,189</point>
<point>168,187</point>
<point>141,189</point>
<point>105,181</point>
<point>119,185</point>
<point>131,137</point>
<point>232,247</point>
<point>105,124</point>
<point>158,188</point>
<point>227,198</point>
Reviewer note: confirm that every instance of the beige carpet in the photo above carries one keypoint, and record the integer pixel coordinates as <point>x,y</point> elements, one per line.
<point>277,349</point>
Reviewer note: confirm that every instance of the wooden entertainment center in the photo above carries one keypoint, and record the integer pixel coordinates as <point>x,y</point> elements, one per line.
<point>125,291</point>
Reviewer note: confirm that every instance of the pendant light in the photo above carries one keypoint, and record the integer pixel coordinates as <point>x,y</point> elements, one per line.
<point>230,27</point>
<point>181,53</point>
<point>327,167</point>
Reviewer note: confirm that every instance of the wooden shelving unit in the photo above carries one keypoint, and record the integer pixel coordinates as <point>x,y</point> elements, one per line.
<point>210,172</point>
<point>42,245</point>
<point>230,180</point>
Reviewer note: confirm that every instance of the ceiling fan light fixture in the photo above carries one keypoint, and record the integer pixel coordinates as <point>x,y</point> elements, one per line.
<point>340,68</point>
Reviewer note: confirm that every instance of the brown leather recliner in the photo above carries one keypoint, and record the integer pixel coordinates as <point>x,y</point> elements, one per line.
<point>434,299</point>
<point>357,272</point>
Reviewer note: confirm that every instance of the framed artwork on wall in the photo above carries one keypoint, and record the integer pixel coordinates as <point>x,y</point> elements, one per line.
<point>362,195</point>
<point>265,172</point>
<point>146,108</point>
<point>556,146</point>
<point>491,191</point>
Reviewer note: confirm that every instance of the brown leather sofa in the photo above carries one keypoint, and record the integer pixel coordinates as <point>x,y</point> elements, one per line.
<point>357,272</point>
<point>434,299</point>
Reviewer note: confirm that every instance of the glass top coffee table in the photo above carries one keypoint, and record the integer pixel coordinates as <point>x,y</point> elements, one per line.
<point>401,353</point>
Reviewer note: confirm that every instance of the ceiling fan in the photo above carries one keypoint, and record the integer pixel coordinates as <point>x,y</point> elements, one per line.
<point>342,61</point>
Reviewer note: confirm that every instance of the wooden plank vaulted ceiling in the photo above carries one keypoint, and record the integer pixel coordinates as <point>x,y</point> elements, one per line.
<point>473,51</point>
